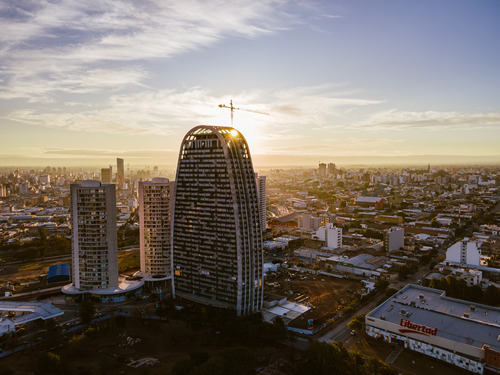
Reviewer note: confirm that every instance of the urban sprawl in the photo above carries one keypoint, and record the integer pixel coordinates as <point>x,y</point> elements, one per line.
<point>380,261</point>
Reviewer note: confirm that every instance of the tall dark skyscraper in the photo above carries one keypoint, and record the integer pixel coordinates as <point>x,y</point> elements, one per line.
<point>217,237</point>
<point>120,168</point>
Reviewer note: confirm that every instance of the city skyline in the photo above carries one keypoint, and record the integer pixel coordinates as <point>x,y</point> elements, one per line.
<point>391,82</point>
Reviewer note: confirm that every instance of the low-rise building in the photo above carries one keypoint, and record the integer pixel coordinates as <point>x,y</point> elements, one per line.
<point>375,202</point>
<point>331,235</point>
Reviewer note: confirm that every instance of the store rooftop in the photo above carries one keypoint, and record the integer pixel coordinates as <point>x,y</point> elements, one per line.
<point>458,320</point>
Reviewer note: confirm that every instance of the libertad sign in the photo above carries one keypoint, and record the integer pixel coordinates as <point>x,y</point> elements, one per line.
<point>416,328</point>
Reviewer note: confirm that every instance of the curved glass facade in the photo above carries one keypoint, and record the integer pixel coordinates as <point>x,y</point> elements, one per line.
<point>217,238</point>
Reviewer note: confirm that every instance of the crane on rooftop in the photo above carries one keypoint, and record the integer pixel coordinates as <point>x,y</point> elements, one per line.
<point>232,108</point>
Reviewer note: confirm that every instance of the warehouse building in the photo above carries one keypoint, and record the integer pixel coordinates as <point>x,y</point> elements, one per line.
<point>459,332</point>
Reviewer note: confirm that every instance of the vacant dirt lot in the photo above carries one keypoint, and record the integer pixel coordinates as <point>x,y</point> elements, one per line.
<point>24,272</point>
<point>326,295</point>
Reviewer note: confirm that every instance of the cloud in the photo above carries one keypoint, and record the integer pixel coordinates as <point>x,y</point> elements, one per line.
<point>87,65</point>
<point>332,16</point>
<point>108,121</point>
<point>164,112</point>
<point>430,120</point>
<point>81,46</point>
<point>99,153</point>
<point>348,146</point>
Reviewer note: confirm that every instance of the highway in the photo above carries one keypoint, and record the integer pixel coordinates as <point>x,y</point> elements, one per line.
<point>58,258</point>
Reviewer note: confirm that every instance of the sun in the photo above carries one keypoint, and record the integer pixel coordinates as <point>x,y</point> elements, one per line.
<point>249,125</point>
<point>249,128</point>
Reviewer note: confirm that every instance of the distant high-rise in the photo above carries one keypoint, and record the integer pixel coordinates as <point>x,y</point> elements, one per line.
<point>322,170</point>
<point>106,175</point>
<point>332,169</point>
<point>309,222</point>
<point>261,191</point>
<point>217,237</point>
<point>94,242</point>
<point>45,179</point>
<point>155,199</point>
<point>120,168</point>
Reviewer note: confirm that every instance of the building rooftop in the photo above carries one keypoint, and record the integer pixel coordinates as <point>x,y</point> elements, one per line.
<point>365,261</point>
<point>458,320</point>
<point>369,199</point>
<point>124,286</point>
<point>288,312</point>
<point>32,310</point>
<point>91,183</point>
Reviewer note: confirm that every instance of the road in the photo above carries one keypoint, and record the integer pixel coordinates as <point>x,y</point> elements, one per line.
<point>341,331</point>
<point>416,278</point>
<point>61,257</point>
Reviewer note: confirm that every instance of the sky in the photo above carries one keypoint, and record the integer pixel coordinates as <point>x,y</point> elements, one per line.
<point>364,81</point>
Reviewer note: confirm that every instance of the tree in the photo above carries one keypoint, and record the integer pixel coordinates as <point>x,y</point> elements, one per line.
<point>239,360</point>
<point>381,285</point>
<point>425,259</point>
<point>87,311</point>
<point>322,359</point>
<point>389,293</point>
<point>199,357</point>
<point>474,293</point>
<point>354,224</point>
<point>492,295</point>
<point>373,234</point>
<point>49,363</point>
<point>29,253</point>
<point>183,367</point>
<point>166,308</point>
<point>435,223</point>
<point>212,366</point>
<point>42,232</point>
<point>376,366</point>
<point>278,329</point>
<point>403,272</point>
<point>357,323</point>
<point>59,244</point>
